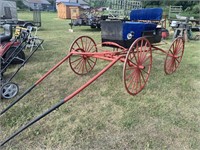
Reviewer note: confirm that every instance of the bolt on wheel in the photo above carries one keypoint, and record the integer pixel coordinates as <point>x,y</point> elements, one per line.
<point>9,90</point>
<point>82,64</point>
<point>174,56</point>
<point>137,66</point>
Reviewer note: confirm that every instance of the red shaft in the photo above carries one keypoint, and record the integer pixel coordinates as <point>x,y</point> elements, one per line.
<point>54,68</point>
<point>61,102</point>
<point>91,80</point>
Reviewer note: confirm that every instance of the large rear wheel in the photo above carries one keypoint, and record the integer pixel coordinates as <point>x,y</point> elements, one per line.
<point>137,66</point>
<point>174,56</point>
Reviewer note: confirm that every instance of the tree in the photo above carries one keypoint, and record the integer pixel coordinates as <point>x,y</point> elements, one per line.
<point>20,4</point>
<point>97,3</point>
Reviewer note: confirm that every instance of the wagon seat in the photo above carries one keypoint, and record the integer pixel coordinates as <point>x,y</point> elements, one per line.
<point>143,23</point>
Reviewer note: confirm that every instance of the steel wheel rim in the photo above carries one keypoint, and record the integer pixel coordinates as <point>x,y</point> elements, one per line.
<point>174,55</point>
<point>81,65</point>
<point>137,66</point>
<point>9,90</point>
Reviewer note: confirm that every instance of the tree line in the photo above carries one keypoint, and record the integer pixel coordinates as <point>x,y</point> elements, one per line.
<point>187,5</point>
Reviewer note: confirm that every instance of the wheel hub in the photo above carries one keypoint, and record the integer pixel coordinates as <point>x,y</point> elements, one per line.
<point>141,67</point>
<point>176,56</point>
<point>9,90</point>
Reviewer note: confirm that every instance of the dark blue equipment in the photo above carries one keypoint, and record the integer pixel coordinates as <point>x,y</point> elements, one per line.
<point>143,22</point>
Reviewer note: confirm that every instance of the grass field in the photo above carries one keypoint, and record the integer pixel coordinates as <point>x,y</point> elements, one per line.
<point>165,115</point>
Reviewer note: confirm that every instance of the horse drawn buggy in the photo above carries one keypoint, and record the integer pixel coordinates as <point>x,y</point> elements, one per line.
<point>132,43</point>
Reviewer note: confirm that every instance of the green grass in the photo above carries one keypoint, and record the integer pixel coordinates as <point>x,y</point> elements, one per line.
<point>165,115</point>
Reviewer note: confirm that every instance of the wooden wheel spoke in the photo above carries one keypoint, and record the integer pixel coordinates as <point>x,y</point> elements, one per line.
<point>132,76</point>
<point>78,64</point>
<point>132,88</point>
<point>177,60</point>
<point>77,44</point>
<point>91,60</point>
<point>139,80</point>
<point>179,43</point>
<point>89,46</point>
<point>83,66</point>
<point>173,47</point>
<point>82,43</point>
<point>171,51</point>
<point>89,64</point>
<point>169,63</point>
<point>141,48</point>
<point>80,67</point>
<point>130,82</point>
<point>179,52</point>
<point>135,58</point>
<point>175,64</point>
<point>130,68</point>
<point>86,44</point>
<point>145,59</point>
<point>76,60</point>
<point>145,45</point>
<point>142,76</point>
<point>132,63</point>
<point>129,76</point>
<point>145,51</point>
<point>136,82</point>
<point>145,71</point>
<point>137,51</point>
<point>131,56</point>
<point>86,68</point>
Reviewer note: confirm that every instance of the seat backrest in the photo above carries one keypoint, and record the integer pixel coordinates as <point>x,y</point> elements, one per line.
<point>7,29</point>
<point>147,14</point>
<point>7,35</point>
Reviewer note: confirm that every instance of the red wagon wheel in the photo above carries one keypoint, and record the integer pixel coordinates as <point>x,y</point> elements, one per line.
<point>137,66</point>
<point>82,64</point>
<point>174,55</point>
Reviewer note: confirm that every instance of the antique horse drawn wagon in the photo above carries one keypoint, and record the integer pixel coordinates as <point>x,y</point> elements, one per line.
<point>132,42</point>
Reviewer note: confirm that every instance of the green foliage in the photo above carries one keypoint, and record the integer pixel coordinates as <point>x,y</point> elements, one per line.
<point>96,4</point>
<point>53,2</point>
<point>185,4</point>
<point>20,4</point>
<point>196,9</point>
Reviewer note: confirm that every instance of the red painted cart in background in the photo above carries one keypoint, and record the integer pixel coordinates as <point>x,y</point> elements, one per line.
<point>137,60</point>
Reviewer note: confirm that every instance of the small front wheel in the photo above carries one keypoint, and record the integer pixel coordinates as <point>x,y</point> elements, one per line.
<point>82,64</point>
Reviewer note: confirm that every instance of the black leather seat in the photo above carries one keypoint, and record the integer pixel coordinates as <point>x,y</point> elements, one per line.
<point>7,35</point>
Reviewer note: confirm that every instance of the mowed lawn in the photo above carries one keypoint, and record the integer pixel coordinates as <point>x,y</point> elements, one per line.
<point>165,115</point>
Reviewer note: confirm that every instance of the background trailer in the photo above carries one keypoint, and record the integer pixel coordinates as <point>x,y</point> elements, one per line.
<point>8,12</point>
